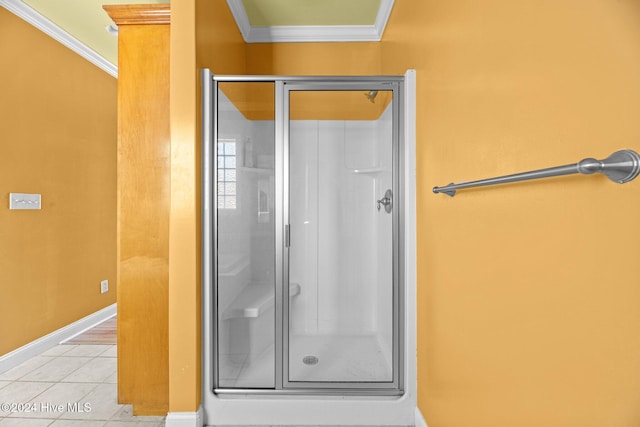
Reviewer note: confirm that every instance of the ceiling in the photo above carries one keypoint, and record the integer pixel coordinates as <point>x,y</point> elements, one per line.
<point>311,12</point>
<point>85,20</point>
<point>82,24</point>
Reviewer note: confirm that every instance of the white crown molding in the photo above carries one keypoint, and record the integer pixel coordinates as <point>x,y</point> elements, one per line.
<point>310,33</point>
<point>316,33</point>
<point>384,12</point>
<point>23,11</point>
<point>240,15</point>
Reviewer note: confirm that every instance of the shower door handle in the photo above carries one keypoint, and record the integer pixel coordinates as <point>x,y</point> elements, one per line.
<point>386,201</point>
<point>287,236</point>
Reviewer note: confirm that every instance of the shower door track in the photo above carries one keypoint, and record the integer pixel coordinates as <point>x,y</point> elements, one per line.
<point>283,385</point>
<point>231,392</point>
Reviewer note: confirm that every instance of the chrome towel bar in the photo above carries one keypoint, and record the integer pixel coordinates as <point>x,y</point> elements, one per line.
<point>622,166</point>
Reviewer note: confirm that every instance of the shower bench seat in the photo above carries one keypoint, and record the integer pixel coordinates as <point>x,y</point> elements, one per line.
<point>254,300</point>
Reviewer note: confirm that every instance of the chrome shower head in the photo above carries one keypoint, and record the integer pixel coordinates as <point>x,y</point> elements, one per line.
<point>371,95</point>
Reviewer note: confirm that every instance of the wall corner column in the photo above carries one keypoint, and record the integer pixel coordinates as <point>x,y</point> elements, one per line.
<point>144,201</point>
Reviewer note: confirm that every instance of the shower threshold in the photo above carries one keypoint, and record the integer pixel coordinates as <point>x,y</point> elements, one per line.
<point>351,359</point>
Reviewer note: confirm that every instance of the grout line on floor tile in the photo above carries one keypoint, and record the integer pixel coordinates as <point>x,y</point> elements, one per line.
<point>99,355</point>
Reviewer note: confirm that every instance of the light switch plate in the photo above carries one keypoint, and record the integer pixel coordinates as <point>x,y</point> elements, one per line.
<point>24,201</point>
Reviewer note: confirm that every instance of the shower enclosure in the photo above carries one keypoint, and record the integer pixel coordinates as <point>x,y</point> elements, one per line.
<point>303,235</point>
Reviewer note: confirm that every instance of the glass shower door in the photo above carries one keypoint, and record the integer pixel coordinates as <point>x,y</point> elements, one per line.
<point>245,238</point>
<point>341,323</point>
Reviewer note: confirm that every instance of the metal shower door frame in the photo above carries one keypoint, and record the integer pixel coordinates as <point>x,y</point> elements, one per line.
<point>283,86</point>
<point>393,85</point>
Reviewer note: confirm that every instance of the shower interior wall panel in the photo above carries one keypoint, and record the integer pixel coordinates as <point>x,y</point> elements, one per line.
<point>261,199</point>
<point>234,239</point>
<point>346,203</point>
<point>303,262</point>
<point>330,249</point>
<point>384,242</point>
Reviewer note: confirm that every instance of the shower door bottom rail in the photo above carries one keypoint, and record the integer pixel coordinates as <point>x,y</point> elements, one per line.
<point>310,391</point>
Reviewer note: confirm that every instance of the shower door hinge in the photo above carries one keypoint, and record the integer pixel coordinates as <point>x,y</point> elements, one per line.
<point>287,240</point>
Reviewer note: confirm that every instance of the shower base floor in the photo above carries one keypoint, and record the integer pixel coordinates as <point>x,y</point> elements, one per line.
<point>347,358</point>
<point>340,358</point>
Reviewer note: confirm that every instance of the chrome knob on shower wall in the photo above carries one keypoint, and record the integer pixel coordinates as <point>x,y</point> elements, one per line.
<point>387,201</point>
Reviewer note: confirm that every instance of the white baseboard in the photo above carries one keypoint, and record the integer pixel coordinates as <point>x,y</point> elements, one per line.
<point>420,422</point>
<point>184,419</point>
<point>34,348</point>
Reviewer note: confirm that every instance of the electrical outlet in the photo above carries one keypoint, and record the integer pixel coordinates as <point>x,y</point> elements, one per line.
<point>104,286</point>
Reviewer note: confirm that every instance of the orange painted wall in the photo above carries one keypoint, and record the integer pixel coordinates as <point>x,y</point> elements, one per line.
<point>219,44</point>
<point>184,227</point>
<point>314,58</point>
<point>57,138</point>
<point>528,294</point>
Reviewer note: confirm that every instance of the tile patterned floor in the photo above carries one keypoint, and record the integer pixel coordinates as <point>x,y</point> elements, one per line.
<point>67,386</point>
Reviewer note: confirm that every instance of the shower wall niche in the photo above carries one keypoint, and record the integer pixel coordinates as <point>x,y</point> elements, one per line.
<point>305,238</point>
